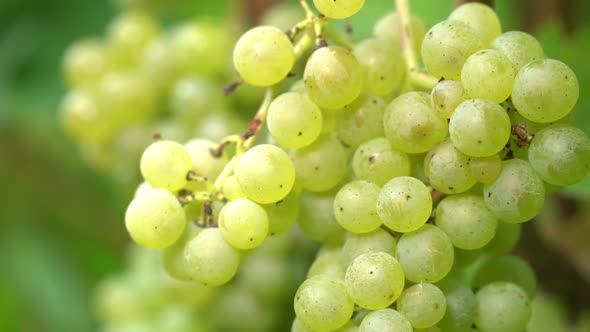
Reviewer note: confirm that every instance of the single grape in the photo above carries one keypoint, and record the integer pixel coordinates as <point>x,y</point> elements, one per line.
<point>447,169</point>
<point>485,169</point>
<point>127,97</point>
<point>231,188</point>
<point>165,164</point>
<point>507,236</point>
<point>83,118</point>
<point>173,256</point>
<point>128,34</point>
<point>85,62</point>
<point>361,121</point>
<point>191,98</point>
<point>446,96</point>
<point>243,224</point>
<point>488,74</point>
<point>293,120</point>
<point>423,305</point>
<point>461,306</point>
<point>382,64</point>
<point>321,165</point>
<point>316,218</point>
<point>204,163</point>
<point>519,47</point>
<point>378,240</point>
<point>340,9</point>
<point>502,307</point>
<point>328,263</point>
<point>482,18</point>
<point>388,28</point>
<point>404,204</point>
<point>282,214</point>
<point>385,320</point>
<point>506,268</point>
<point>354,207</point>
<point>377,162</point>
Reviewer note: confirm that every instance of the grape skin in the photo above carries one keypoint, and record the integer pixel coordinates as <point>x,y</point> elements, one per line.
<point>340,9</point>
<point>165,164</point>
<point>243,224</point>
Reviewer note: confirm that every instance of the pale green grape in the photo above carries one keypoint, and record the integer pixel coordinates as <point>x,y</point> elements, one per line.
<point>298,326</point>
<point>446,47</point>
<point>191,98</point>
<point>243,224</point>
<point>128,34</point>
<point>218,125</point>
<point>517,195</point>
<point>479,128</point>
<point>173,256</point>
<point>467,221</point>
<point>293,120</point>
<point>461,306</point>
<point>155,219</point>
<point>388,28</point>
<point>382,64</point>
<point>481,18</point>
<point>204,163</point>
<point>404,204</point>
<point>265,174</point>
<point>411,124</point>
<point>263,56</point>
<point>322,304</point>
<point>447,169</point>
<point>354,207</point>
<point>506,268</point>
<point>560,154</point>
<point>316,218</point>
<point>488,74</point>
<point>328,263</point>
<point>165,164</point>
<point>333,77</point>
<point>545,90</point>
<point>446,96</point>
<point>423,304</point>
<point>231,188</point>
<point>426,255</point>
<point>385,320</point>
<point>507,236</point>
<point>209,259</point>
<point>485,169</point>
<point>127,97</point>
<point>502,307</point>
<point>143,187</point>
<point>377,162</point>
<point>116,302</point>
<point>158,65</point>
<point>282,214</point>
<point>321,165</point>
<point>83,118</point>
<point>339,9</point>
<point>85,62</point>
<point>519,47</point>
<point>378,240</point>
<point>361,121</point>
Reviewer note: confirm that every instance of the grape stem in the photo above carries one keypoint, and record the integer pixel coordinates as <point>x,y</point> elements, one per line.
<point>338,38</point>
<point>308,12</point>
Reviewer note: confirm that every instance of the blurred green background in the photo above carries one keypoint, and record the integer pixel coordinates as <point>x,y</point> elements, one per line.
<point>62,223</point>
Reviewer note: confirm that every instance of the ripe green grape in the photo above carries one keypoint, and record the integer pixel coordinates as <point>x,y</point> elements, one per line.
<point>388,28</point>
<point>83,118</point>
<point>519,47</point>
<point>340,9</point>
<point>461,306</point>
<point>191,98</point>
<point>85,62</point>
<point>265,174</point>
<point>128,34</point>
<point>517,195</point>
<point>328,263</point>
<point>316,218</point>
<point>446,47</point>
<point>243,224</point>
<point>423,304</point>
<point>488,74</point>
<point>382,64</point>
<point>293,120</point>
<point>481,18</point>
<point>446,96</point>
<point>560,154</point>
<point>377,162</point>
<point>502,307</point>
<point>354,206</point>
<point>404,204</point>
<point>378,240</point>
<point>506,268</point>
<point>155,219</point>
<point>412,125</point>
<point>374,280</point>
<point>485,169</point>
<point>321,165</point>
<point>165,164</point>
<point>263,56</point>
<point>282,214</point>
<point>385,320</point>
<point>479,128</point>
<point>447,169</point>
<point>426,255</point>
<point>173,256</point>
<point>127,97</point>
<point>545,90</point>
<point>360,121</point>
<point>204,163</point>
<point>507,236</point>
<point>333,77</point>
<point>231,188</point>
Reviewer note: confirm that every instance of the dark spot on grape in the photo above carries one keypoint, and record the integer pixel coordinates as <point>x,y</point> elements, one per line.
<point>370,272</point>
<point>490,194</point>
<point>299,133</point>
<point>280,186</point>
<point>373,157</point>
<point>251,239</point>
<point>479,141</point>
<point>279,202</point>
<point>436,306</point>
<point>381,78</point>
<point>391,295</point>
<point>375,100</point>
<point>408,197</point>
<point>566,77</point>
<point>316,168</point>
<point>451,188</point>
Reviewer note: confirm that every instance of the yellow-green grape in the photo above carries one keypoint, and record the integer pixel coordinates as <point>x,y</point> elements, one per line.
<point>447,169</point>
<point>354,207</point>
<point>361,120</point>
<point>382,64</point>
<point>128,34</point>
<point>333,77</point>
<point>446,96</point>
<point>328,263</point>
<point>316,218</point>
<point>517,195</point>
<point>243,224</point>
<point>204,163</point>
<point>265,174</point>
<point>85,62</point>
<point>479,128</point>
<point>423,304</point>
<point>328,120</point>
<point>506,268</point>
<point>165,164</point>
<point>293,120</point>
<point>488,74</point>
<point>193,211</point>
<point>116,302</point>
<point>482,18</point>
<point>461,305</point>
<point>173,256</point>
<point>519,47</point>
<point>502,307</point>
<point>374,280</point>
<point>378,240</point>
<point>323,304</point>
<point>545,90</point>
<point>507,236</point>
<point>158,64</point>
<point>155,219</point>
<point>282,214</point>
<point>263,56</point>
<point>143,187</point>
<point>83,118</point>
<point>404,204</point>
<point>485,169</point>
<point>412,125</point>
<point>338,9</point>
<point>388,28</point>
<point>321,165</point>
<point>209,259</point>
<point>385,320</point>
<point>191,98</point>
<point>446,47</point>
<point>298,326</point>
<point>377,162</point>
<point>127,97</point>
<point>231,188</point>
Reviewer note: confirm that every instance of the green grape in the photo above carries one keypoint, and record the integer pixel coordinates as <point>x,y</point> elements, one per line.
<point>298,326</point>
<point>83,118</point>
<point>354,207</point>
<point>127,97</point>
<point>446,96</point>
<point>155,219</point>
<point>361,121</point>
<point>328,120</point>
<point>519,47</point>
<point>218,125</point>
<point>193,211</point>
<point>204,163</point>
<point>488,74</point>
<point>388,27</point>
<point>446,47</point>
<point>560,154</point>
<point>507,236</point>
<point>170,129</point>
<point>328,263</point>
<point>128,34</point>
<point>321,165</point>
<point>377,162</point>
<point>467,221</point>
<point>143,187</point>
<point>243,224</point>
<point>293,120</point>
<point>502,307</point>
<point>282,15</point>
<point>545,90</point>
<point>506,268</point>
<point>385,320</point>
<point>173,256</point>
<point>424,305</point>
<point>481,18</point>
<point>461,306</point>
<point>479,128</point>
<point>485,169</point>
<point>447,169</point>
<point>231,188</point>
<point>165,164</point>
<point>378,240</point>
<point>322,304</point>
<point>85,62</point>
<point>158,65</point>
<point>382,64</point>
<point>209,259</point>
<point>116,302</point>
<point>191,98</point>
<point>263,56</point>
<point>426,255</point>
<point>282,214</point>
<point>517,195</point>
<point>265,174</point>
<point>333,77</point>
<point>404,204</point>
<point>417,167</point>
<point>411,124</point>
<point>316,218</point>
<point>340,9</point>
